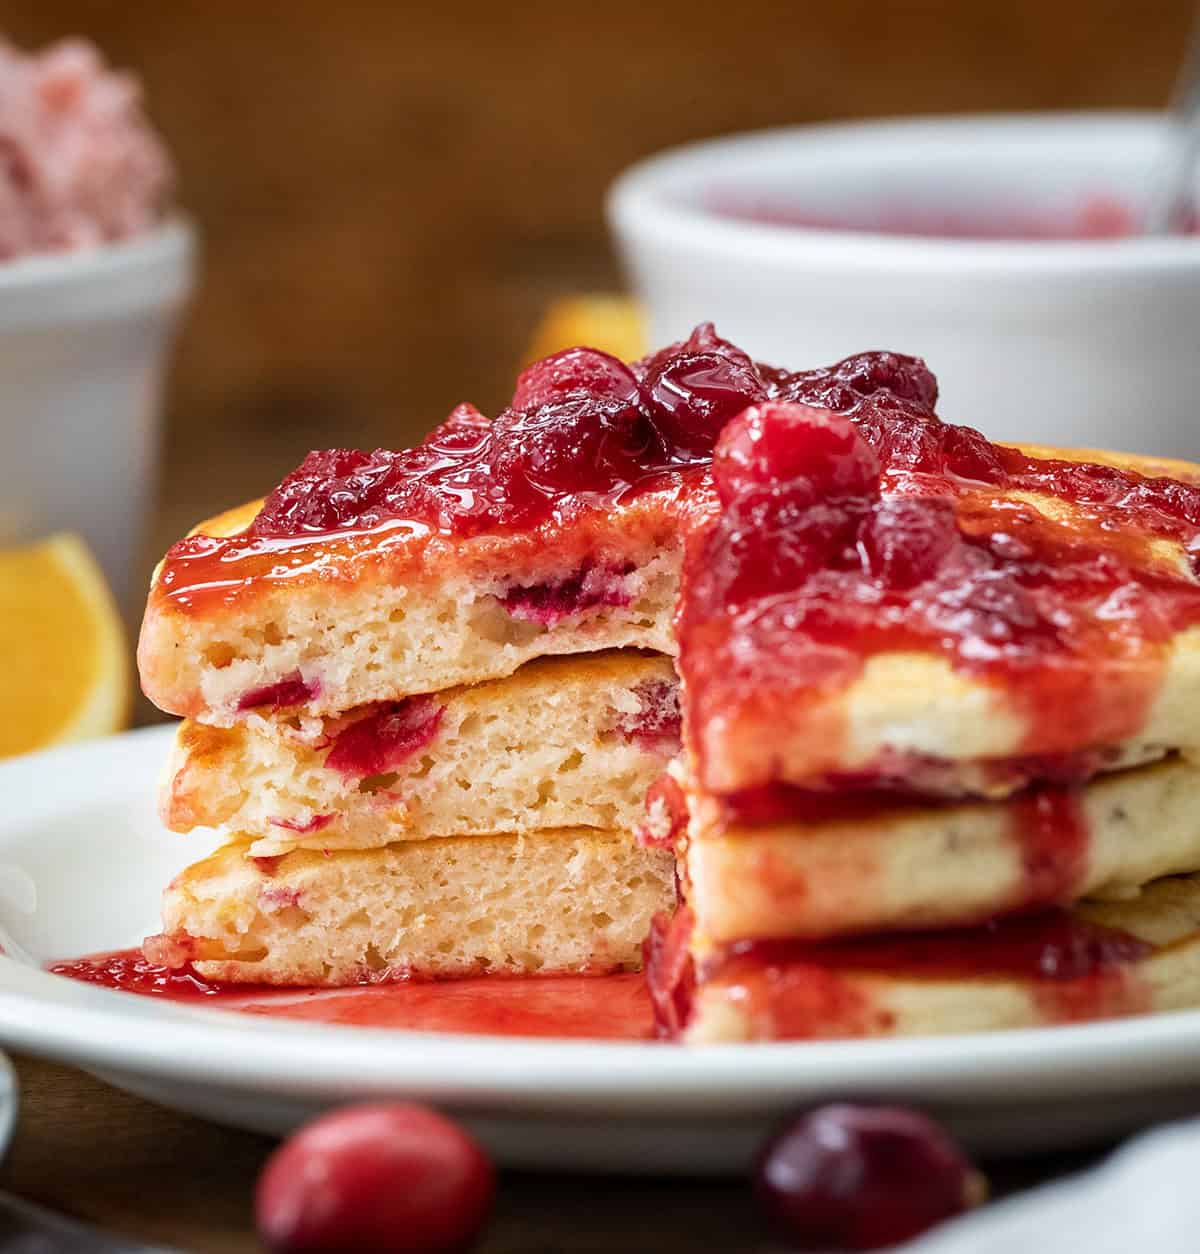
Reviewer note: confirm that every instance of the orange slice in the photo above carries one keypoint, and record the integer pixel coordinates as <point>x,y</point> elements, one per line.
<point>64,666</point>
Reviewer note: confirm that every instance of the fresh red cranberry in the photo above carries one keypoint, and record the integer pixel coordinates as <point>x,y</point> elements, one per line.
<point>386,1178</point>
<point>386,738</point>
<point>694,388</point>
<point>794,444</point>
<point>906,539</point>
<point>587,371</point>
<point>862,1177</point>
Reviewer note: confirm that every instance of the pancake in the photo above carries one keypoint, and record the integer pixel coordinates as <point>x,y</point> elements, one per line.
<point>565,900</point>
<point>925,679</point>
<point>1100,961</point>
<point>564,742</point>
<point>889,865</point>
<point>328,624</point>
<point>957,636</point>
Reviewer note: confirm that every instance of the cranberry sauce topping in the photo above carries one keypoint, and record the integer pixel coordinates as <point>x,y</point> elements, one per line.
<point>843,535</point>
<point>386,738</point>
<point>1075,971</point>
<point>552,603</point>
<point>1046,823</point>
<point>293,690</point>
<point>1048,945</point>
<point>897,779</point>
<point>583,430</point>
<point>657,725</point>
<point>670,971</point>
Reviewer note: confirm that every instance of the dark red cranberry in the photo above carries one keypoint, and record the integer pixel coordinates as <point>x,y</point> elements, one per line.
<point>464,430</point>
<point>387,1178</point>
<point>670,971</point>
<point>586,371</point>
<point>553,601</point>
<point>577,444</point>
<point>844,385</point>
<point>795,444</point>
<point>696,387</point>
<point>339,488</point>
<point>862,1177</point>
<point>906,539</point>
<point>385,738</point>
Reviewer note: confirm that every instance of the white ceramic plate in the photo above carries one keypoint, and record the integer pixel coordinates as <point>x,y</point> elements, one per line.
<point>82,862</point>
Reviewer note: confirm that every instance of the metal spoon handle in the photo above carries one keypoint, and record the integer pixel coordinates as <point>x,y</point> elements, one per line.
<point>1169,208</point>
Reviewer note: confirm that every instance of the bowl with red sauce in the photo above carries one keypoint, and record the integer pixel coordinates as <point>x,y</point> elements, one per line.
<point>1004,249</point>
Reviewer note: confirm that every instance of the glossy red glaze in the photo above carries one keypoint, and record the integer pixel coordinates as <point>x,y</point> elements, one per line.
<point>815,564</point>
<point>797,990</point>
<point>670,970</point>
<point>1051,830</point>
<point>591,1007</point>
<point>130,971</point>
<point>585,434</point>
<point>1047,822</point>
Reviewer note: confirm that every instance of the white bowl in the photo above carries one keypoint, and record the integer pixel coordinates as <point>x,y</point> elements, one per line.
<point>84,342</point>
<point>1072,342</point>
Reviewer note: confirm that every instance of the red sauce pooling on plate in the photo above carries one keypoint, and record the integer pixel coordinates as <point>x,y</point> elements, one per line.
<point>591,1007</point>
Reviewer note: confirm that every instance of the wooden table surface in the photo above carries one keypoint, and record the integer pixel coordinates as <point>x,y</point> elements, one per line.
<point>133,1169</point>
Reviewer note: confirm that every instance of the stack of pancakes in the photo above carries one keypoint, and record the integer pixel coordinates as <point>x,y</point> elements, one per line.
<point>913,795</point>
<point>408,783</point>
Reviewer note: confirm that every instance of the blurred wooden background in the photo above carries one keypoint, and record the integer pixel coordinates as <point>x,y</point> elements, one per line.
<point>390,193</point>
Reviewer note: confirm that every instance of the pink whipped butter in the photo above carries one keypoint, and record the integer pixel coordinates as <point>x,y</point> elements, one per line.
<point>80,164</point>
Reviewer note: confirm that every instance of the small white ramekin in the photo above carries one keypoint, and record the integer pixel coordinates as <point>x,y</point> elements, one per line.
<point>1071,342</point>
<point>84,342</point>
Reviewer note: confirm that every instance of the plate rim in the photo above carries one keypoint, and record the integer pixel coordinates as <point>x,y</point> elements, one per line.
<point>95,1027</point>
